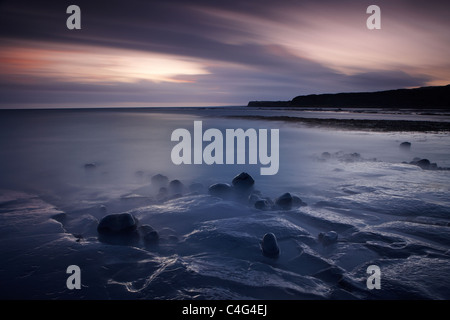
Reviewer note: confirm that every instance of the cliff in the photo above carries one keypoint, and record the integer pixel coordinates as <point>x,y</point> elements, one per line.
<point>421,98</point>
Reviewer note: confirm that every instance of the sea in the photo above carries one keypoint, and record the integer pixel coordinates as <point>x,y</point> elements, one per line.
<point>63,170</point>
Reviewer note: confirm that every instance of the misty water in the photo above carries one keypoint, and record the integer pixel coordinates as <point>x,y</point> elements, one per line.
<point>62,171</point>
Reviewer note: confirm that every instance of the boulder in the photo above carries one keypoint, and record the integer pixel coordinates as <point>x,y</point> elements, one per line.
<point>243,182</point>
<point>263,204</point>
<point>221,190</point>
<point>163,194</point>
<point>297,202</point>
<point>284,201</point>
<point>119,223</point>
<point>176,187</point>
<point>159,180</point>
<point>425,164</point>
<point>149,234</point>
<point>269,246</point>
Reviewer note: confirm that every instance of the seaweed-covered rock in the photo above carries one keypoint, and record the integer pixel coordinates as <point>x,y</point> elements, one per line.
<point>269,246</point>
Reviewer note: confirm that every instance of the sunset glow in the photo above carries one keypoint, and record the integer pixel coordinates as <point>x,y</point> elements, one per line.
<point>87,64</point>
<point>217,53</point>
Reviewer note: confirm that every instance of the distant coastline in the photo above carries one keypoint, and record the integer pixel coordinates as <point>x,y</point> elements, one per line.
<point>437,97</point>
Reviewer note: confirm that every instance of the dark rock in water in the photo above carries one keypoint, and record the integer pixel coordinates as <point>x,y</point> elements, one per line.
<point>149,234</point>
<point>269,246</point>
<point>297,202</point>
<point>253,198</point>
<point>151,237</point>
<point>118,229</point>
<point>119,223</point>
<point>263,204</point>
<point>405,145</point>
<point>221,190</point>
<point>425,164</point>
<point>328,238</point>
<point>325,155</point>
<point>352,157</point>
<point>243,182</point>
<point>159,180</point>
<point>91,165</point>
<point>284,201</point>
<point>288,201</point>
<point>163,194</point>
<point>176,187</point>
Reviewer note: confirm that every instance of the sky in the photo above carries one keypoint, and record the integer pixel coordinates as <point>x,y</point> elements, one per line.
<point>138,53</point>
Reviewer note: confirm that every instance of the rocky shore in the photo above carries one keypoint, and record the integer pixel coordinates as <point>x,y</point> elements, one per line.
<point>360,124</point>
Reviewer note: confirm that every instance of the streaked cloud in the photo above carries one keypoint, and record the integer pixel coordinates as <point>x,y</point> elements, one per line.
<point>216,52</point>
<point>90,64</point>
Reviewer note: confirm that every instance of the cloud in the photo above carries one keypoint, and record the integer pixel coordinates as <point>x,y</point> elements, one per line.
<point>225,52</point>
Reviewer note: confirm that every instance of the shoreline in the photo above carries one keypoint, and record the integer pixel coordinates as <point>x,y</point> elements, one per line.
<point>359,124</point>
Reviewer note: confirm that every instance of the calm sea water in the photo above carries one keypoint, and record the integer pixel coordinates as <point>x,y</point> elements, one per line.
<point>386,212</point>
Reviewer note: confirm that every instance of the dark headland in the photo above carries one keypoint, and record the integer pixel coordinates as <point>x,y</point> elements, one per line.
<point>425,99</point>
<point>437,97</point>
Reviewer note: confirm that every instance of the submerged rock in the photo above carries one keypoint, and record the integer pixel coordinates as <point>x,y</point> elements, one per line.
<point>91,165</point>
<point>221,190</point>
<point>263,204</point>
<point>159,180</point>
<point>119,223</point>
<point>425,164</point>
<point>325,156</point>
<point>405,145</point>
<point>176,187</point>
<point>327,238</point>
<point>243,182</point>
<point>269,246</point>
